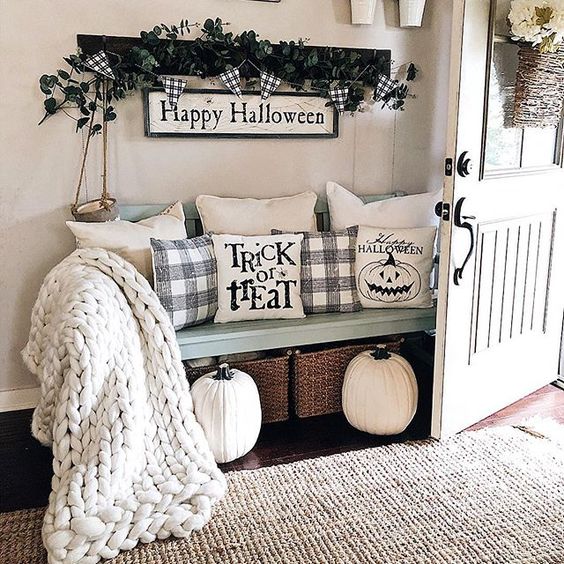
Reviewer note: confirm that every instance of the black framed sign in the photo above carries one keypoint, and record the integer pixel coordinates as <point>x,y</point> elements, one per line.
<point>219,113</point>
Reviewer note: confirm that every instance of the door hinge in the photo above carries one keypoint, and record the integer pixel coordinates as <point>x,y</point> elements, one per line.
<point>442,210</point>
<point>448,167</point>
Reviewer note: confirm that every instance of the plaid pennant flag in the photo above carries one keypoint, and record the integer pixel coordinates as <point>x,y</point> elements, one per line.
<point>339,95</point>
<point>384,86</point>
<point>232,79</point>
<point>268,84</point>
<point>174,87</point>
<point>99,63</point>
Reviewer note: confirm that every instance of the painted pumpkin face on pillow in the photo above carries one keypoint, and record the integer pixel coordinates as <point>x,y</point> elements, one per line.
<point>390,281</point>
<point>393,267</point>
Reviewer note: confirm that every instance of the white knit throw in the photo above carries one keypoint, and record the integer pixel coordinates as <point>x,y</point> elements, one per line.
<point>130,461</point>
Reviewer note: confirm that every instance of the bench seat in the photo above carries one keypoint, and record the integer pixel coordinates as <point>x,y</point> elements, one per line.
<point>245,336</point>
<point>213,339</point>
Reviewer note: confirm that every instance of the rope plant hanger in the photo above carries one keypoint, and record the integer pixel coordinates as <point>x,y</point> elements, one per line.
<point>104,208</point>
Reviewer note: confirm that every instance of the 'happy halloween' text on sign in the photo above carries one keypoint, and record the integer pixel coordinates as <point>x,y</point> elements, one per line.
<point>212,113</point>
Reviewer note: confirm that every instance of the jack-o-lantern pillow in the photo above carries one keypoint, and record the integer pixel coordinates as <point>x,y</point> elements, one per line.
<point>393,267</point>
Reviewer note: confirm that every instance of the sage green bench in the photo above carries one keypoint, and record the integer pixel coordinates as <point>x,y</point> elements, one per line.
<point>210,339</point>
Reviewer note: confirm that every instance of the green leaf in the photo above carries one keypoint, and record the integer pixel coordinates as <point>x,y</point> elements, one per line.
<point>543,15</point>
<point>85,86</point>
<point>50,105</point>
<point>63,74</point>
<point>152,38</point>
<point>547,44</point>
<point>82,122</point>
<point>209,25</point>
<point>157,30</point>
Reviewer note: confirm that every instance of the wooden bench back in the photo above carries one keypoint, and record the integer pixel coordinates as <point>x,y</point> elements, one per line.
<point>137,212</point>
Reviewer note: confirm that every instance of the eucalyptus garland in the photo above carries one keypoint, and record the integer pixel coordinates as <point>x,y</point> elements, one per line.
<point>211,53</point>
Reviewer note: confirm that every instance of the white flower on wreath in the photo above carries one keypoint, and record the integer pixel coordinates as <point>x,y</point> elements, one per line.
<point>538,22</point>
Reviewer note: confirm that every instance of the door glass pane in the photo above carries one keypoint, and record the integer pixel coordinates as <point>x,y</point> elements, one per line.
<point>508,149</point>
<point>501,13</point>
<point>503,142</point>
<point>539,146</point>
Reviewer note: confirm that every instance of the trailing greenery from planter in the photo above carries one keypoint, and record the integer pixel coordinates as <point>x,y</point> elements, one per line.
<point>213,52</point>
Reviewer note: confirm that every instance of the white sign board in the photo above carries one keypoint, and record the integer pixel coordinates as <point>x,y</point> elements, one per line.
<point>218,113</point>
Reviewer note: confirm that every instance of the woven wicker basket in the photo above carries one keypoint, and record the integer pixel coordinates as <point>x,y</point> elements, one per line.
<point>317,376</point>
<point>271,376</point>
<point>539,89</point>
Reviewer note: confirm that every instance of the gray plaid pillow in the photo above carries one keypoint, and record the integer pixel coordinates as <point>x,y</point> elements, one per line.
<point>186,279</point>
<point>327,276</point>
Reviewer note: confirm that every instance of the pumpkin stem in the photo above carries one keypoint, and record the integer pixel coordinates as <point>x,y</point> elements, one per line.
<point>380,354</point>
<point>223,372</point>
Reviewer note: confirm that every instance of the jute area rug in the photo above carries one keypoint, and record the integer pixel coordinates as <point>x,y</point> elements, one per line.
<point>489,496</point>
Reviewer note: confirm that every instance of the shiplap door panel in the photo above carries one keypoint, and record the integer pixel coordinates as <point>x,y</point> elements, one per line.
<point>511,280</point>
<point>499,325</point>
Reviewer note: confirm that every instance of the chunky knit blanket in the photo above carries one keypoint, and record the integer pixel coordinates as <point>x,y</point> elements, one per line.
<point>130,461</point>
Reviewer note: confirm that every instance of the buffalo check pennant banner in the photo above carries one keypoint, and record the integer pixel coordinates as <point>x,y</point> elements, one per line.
<point>99,63</point>
<point>268,84</point>
<point>339,95</point>
<point>384,86</point>
<point>174,87</point>
<point>232,79</point>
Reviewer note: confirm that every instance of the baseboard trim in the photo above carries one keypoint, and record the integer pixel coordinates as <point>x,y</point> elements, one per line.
<point>14,400</point>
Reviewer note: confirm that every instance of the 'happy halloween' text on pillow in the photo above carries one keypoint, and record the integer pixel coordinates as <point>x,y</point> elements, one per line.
<point>393,267</point>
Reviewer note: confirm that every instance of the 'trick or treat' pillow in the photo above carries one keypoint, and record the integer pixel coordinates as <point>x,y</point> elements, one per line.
<point>258,277</point>
<point>393,267</point>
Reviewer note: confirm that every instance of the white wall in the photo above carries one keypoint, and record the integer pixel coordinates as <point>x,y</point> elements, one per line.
<point>376,152</point>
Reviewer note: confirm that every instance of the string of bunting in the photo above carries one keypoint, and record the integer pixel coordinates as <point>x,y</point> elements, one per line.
<point>269,83</point>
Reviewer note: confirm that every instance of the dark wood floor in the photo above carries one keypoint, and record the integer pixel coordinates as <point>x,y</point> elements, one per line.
<point>546,402</point>
<point>280,443</point>
<point>25,466</point>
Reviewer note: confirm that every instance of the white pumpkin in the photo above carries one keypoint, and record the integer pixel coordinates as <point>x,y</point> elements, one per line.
<point>227,406</point>
<point>379,393</point>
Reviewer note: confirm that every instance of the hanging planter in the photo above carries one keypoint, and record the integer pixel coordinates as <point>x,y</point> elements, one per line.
<point>96,211</point>
<point>411,12</point>
<point>539,89</point>
<point>538,26</point>
<point>362,11</point>
<point>104,208</point>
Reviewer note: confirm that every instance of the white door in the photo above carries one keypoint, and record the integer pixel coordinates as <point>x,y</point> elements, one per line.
<point>500,309</point>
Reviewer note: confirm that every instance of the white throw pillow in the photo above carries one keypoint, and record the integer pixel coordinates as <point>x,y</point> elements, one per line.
<point>346,209</point>
<point>248,216</point>
<point>132,240</point>
<point>258,277</point>
<point>393,267</point>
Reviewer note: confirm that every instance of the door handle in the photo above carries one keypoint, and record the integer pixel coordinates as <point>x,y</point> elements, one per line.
<point>464,164</point>
<point>460,221</point>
